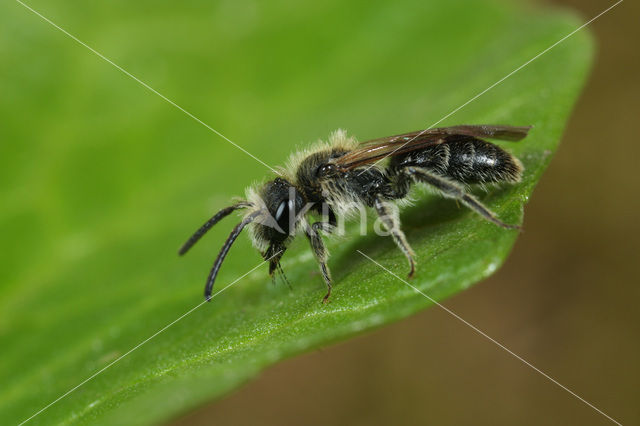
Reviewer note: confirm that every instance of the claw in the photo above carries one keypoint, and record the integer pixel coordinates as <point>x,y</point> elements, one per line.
<point>412,270</point>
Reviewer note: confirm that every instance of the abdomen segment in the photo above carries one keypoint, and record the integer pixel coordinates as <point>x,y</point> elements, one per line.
<point>464,159</point>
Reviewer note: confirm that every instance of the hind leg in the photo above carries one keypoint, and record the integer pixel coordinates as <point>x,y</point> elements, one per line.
<point>389,218</point>
<point>454,190</point>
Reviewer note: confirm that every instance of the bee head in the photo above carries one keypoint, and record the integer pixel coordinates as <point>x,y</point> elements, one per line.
<point>282,208</point>
<point>282,205</point>
<point>274,215</point>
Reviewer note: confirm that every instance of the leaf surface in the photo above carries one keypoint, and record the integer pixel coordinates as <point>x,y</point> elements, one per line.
<point>102,180</point>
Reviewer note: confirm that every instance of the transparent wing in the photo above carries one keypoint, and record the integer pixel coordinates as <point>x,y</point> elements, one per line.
<point>377,149</point>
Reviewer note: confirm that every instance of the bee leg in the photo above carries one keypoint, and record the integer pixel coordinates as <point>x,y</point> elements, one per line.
<point>284,277</point>
<point>456,191</point>
<point>391,221</point>
<point>320,252</point>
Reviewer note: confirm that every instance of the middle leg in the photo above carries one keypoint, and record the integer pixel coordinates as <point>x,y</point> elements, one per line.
<point>389,217</point>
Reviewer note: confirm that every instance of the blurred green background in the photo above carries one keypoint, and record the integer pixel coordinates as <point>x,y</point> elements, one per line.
<point>565,300</point>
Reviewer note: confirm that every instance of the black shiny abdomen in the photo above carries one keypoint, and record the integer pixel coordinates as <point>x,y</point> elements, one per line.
<point>464,159</point>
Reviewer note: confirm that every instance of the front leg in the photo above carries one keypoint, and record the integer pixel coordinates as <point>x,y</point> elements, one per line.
<point>320,251</point>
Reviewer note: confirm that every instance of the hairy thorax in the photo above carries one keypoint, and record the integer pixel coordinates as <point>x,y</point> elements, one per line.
<point>344,191</point>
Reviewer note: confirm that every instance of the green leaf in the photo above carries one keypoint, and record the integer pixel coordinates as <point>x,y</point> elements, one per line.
<point>102,180</point>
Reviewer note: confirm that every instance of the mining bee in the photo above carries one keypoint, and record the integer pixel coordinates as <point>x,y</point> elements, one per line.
<point>335,177</point>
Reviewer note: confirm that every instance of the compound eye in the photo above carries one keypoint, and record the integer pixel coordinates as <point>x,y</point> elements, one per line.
<point>282,216</point>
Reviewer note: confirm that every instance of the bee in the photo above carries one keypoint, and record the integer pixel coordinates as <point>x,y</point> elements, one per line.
<point>339,176</point>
